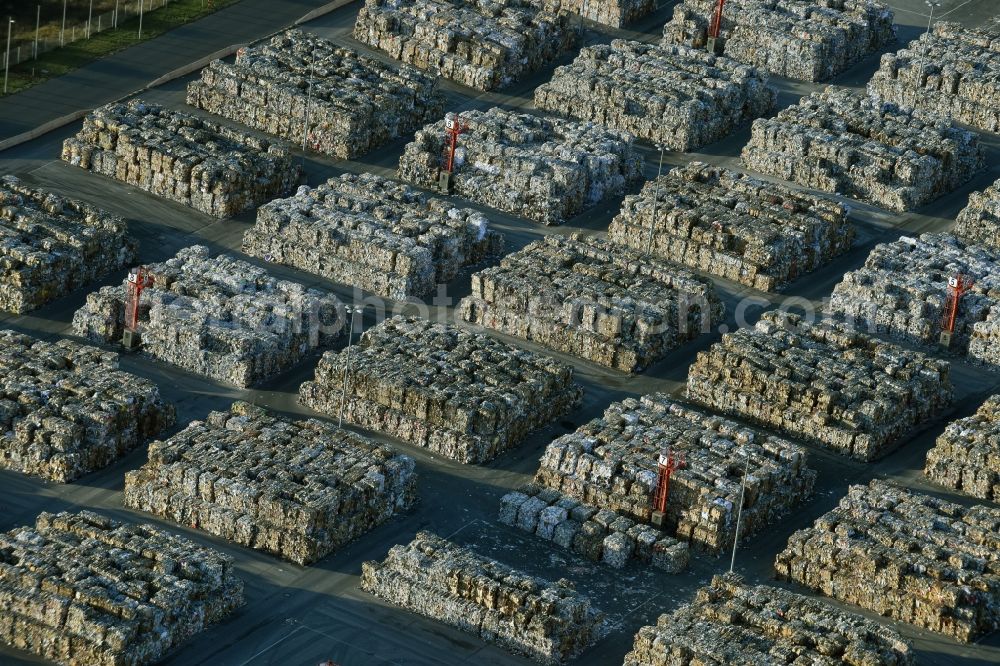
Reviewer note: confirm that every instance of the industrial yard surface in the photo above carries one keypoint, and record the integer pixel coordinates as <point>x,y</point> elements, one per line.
<point>296,614</point>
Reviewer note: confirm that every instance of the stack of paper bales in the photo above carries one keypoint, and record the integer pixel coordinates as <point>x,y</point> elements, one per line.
<point>822,382</point>
<point>219,317</point>
<point>543,169</point>
<point>372,233</point>
<point>210,167</point>
<point>298,489</point>
<point>676,96</point>
<point>729,224</point>
<point>79,588</point>
<point>612,463</point>
<point>66,410</point>
<point>50,245</point>
<point>593,299</point>
<point>548,622</point>
<point>465,396</point>
<point>842,142</point>
<point>299,85</point>
<point>910,557</point>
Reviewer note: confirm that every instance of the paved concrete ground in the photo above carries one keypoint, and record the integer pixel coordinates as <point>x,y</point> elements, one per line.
<point>301,615</point>
<point>107,79</point>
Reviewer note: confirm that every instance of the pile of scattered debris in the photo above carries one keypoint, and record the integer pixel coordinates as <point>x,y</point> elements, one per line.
<point>822,382</point>
<point>613,462</point>
<point>952,71</point>
<point>907,556</point>
<point>218,316</point>
<point>810,40</point>
<point>299,489</point>
<point>600,535</point>
<point>484,44</point>
<point>67,410</point>
<point>731,622</point>
<point>84,589</point>
<point>372,233</point>
<point>548,622</point>
<point>840,141</point>
<point>595,300</point>
<point>51,245</point>
<point>966,456</point>
<point>210,167</point>
<point>979,222</point>
<point>679,97</point>
<point>729,224</point>
<point>543,169</point>
<point>903,290</point>
<point>299,86</point>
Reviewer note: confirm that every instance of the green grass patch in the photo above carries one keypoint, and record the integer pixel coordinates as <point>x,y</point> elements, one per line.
<point>72,56</point>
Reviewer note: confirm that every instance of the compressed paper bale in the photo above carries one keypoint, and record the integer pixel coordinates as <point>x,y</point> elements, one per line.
<point>733,225</point>
<point>902,290</point>
<point>307,487</point>
<point>951,70</point>
<point>979,222</point>
<point>219,317</point>
<point>731,622</point>
<point>484,44</point>
<point>463,395</point>
<point>595,300</point>
<point>543,169</point>
<point>615,13</point>
<point>810,40</point>
<point>842,142</point>
<point>822,382</point>
<point>215,169</point>
<point>679,97</point>
<point>612,463</point>
<point>372,233</point>
<point>51,245</point>
<point>299,85</point>
<point>966,456</point>
<point>67,410</point>
<point>544,513</point>
<point>79,588</point>
<point>907,556</point>
<point>547,622</point>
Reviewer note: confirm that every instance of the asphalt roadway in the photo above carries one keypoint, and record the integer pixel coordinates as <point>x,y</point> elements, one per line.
<point>302,615</point>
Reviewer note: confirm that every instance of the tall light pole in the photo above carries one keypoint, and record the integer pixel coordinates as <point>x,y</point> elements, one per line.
<point>90,17</point>
<point>347,366</point>
<point>656,205</point>
<point>6,58</point>
<point>62,31</point>
<point>140,19</point>
<point>739,512</point>
<point>932,4</point>
<point>38,23</point>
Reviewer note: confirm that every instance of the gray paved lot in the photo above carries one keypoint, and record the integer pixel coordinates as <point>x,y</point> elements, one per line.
<point>301,615</point>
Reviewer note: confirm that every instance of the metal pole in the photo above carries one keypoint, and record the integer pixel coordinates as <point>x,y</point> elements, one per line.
<point>90,17</point>
<point>347,367</point>
<point>6,58</point>
<point>114,21</point>
<point>62,31</point>
<point>305,121</point>
<point>140,19</point>
<point>739,513</point>
<point>38,22</point>
<point>656,205</point>
<point>930,18</point>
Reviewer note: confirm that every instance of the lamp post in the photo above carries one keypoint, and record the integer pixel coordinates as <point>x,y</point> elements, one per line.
<point>739,513</point>
<point>90,17</point>
<point>140,19</point>
<point>38,23</point>
<point>62,31</point>
<point>932,4</point>
<point>6,58</point>
<point>355,311</point>
<point>656,205</point>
